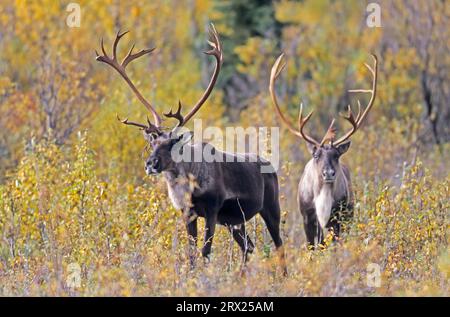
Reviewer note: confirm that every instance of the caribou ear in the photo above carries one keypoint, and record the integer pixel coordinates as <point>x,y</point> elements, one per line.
<point>342,148</point>
<point>183,137</point>
<point>180,141</point>
<point>149,137</point>
<point>311,148</point>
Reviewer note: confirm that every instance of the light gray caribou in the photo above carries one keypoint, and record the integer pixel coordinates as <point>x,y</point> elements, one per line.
<point>228,190</point>
<point>324,195</point>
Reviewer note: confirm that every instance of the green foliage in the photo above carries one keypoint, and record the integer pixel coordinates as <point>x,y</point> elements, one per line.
<point>253,19</point>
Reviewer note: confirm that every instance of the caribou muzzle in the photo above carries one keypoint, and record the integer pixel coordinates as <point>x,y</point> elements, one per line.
<point>328,175</point>
<point>153,166</point>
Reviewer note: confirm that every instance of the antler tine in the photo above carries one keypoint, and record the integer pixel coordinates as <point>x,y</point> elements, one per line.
<point>125,121</point>
<point>351,119</point>
<point>116,41</point>
<point>349,116</point>
<point>177,115</point>
<point>214,42</point>
<point>103,49</point>
<point>148,129</point>
<point>356,123</point>
<point>102,58</point>
<point>302,121</point>
<point>330,134</point>
<point>121,69</point>
<point>216,51</point>
<point>301,124</point>
<point>277,68</point>
<point>130,57</point>
<point>359,110</point>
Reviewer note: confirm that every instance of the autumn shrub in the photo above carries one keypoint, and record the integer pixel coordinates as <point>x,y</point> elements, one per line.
<point>55,211</point>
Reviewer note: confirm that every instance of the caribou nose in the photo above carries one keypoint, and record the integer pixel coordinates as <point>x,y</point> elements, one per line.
<point>154,163</point>
<point>328,173</point>
<point>150,163</point>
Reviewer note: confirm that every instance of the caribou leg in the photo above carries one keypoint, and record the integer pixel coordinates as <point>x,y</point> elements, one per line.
<point>310,225</point>
<point>335,225</point>
<point>341,213</point>
<point>210,227</point>
<point>272,220</point>
<point>243,240</point>
<point>191,226</point>
<point>320,235</point>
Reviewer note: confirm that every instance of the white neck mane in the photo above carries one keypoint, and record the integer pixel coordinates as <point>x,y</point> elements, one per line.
<point>323,203</point>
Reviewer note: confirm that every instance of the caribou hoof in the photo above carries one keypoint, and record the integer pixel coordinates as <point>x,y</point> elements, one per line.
<point>206,259</point>
<point>243,271</point>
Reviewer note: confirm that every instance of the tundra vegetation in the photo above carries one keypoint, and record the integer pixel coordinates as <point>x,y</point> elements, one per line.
<point>73,189</point>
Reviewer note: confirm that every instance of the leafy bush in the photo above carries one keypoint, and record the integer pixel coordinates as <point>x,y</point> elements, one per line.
<point>128,239</point>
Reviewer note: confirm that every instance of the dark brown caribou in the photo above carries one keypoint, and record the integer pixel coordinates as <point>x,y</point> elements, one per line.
<point>324,197</point>
<point>228,190</point>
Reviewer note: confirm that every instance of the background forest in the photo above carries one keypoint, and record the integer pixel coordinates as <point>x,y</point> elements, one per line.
<point>74,197</point>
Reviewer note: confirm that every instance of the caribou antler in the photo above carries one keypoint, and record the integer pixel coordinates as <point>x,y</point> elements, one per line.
<point>121,69</point>
<point>125,121</point>
<point>350,117</point>
<point>301,124</point>
<point>277,68</point>
<point>330,135</point>
<point>216,51</point>
<point>177,115</point>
